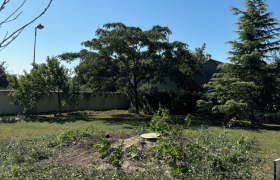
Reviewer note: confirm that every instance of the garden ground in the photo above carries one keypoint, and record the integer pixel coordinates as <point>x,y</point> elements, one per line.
<point>119,124</point>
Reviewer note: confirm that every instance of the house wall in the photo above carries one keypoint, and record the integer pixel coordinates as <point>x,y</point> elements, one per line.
<point>207,71</point>
<point>168,86</point>
<point>50,104</point>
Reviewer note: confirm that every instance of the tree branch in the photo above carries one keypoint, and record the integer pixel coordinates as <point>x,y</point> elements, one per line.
<point>7,19</point>
<point>15,34</point>
<point>3,4</point>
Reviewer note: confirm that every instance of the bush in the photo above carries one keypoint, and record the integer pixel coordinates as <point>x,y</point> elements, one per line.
<point>150,100</point>
<point>201,156</point>
<point>186,103</point>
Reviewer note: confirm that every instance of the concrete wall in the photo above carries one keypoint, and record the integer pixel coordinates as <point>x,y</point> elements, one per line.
<point>50,104</point>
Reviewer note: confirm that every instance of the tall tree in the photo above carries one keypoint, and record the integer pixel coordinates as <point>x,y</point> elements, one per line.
<point>8,38</point>
<point>125,57</point>
<point>247,84</point>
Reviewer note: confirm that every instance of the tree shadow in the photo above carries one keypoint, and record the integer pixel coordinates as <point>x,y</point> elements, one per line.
<point>138,120</point>
<point>57,119</point>
<point>197,122</point>
<point>120,119</point>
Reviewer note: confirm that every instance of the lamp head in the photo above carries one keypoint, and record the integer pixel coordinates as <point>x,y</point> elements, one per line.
<point>40,26</point>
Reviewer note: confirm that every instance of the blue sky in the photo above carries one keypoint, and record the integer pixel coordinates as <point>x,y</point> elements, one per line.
<point>70,22</point>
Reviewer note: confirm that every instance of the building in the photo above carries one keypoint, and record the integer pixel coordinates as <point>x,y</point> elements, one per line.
<point>207,73</point>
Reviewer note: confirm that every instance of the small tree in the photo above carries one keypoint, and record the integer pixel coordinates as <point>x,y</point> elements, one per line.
<point>29,88</point>
<point>125,57</point>
<point>57,78</point>
<point>247,87</point>
<point>42,79</point>
<point>72,91</point>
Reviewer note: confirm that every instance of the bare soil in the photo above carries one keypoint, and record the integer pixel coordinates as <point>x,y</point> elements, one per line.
<point>82,154</point>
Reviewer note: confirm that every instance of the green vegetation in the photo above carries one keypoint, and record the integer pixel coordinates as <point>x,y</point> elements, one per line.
<point>107,145</point>
<point>46,137</point>
<point>248,88</point>
<point>150,99</point>
<point>124,58</point>
<point>36,85</point>
<point>3,75</point>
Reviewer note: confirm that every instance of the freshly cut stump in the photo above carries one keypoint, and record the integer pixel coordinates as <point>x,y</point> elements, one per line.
<point>150,136</point>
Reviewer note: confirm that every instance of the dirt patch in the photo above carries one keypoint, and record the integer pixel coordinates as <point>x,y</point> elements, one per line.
<point>81,154</point>
<point>137,140</point>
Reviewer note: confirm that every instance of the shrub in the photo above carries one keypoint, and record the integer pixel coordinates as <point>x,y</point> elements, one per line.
<point>150,100</point>
<point>201,156</point>
<point>185,103</point>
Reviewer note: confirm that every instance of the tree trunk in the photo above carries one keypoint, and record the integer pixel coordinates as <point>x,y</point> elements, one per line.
<point>252,114</point>
<point>136,100</point>
<point>59,103</point>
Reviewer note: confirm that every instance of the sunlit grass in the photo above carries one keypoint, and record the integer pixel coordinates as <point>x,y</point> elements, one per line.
<point>122,121</point>
<point>42,125</point>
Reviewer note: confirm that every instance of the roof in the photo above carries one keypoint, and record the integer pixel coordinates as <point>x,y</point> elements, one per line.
<point>215,61</point>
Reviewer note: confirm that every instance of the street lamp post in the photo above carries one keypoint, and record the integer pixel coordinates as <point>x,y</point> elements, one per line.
<point>39,27</point>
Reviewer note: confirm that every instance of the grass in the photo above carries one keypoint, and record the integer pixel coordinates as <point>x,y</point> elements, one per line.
<point>42,125</point>
<point>122,121</point>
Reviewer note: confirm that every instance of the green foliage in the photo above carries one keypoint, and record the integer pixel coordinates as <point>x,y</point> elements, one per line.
<point>73,94</point>
<point>36,85</point>
<point>159,122</point>
<point>150,98</point>
<point>58,80</point>
<point>123,57</point>
<point>71,136</point>
<point>3,75</point>
<point>205,106</point>
<point>185,103</point>
<point>247,88</point>
<point>114,155</point>
<point>29,88</point>
<point>221,158</point>
<point>180,154</point>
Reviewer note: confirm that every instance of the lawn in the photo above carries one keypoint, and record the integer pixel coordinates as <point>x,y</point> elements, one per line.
<point>47,124</point>
<point>123,122</point>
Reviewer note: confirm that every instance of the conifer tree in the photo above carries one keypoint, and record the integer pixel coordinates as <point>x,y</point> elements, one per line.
<point>246,87</point>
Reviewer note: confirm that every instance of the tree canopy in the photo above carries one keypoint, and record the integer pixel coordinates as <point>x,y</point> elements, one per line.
<point>42,79</point>
<point>247,86</point>
<point>3,75</point>
<point>124,57</point>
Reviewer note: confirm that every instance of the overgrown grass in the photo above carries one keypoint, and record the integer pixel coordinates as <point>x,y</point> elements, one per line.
<point>122,122</point>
